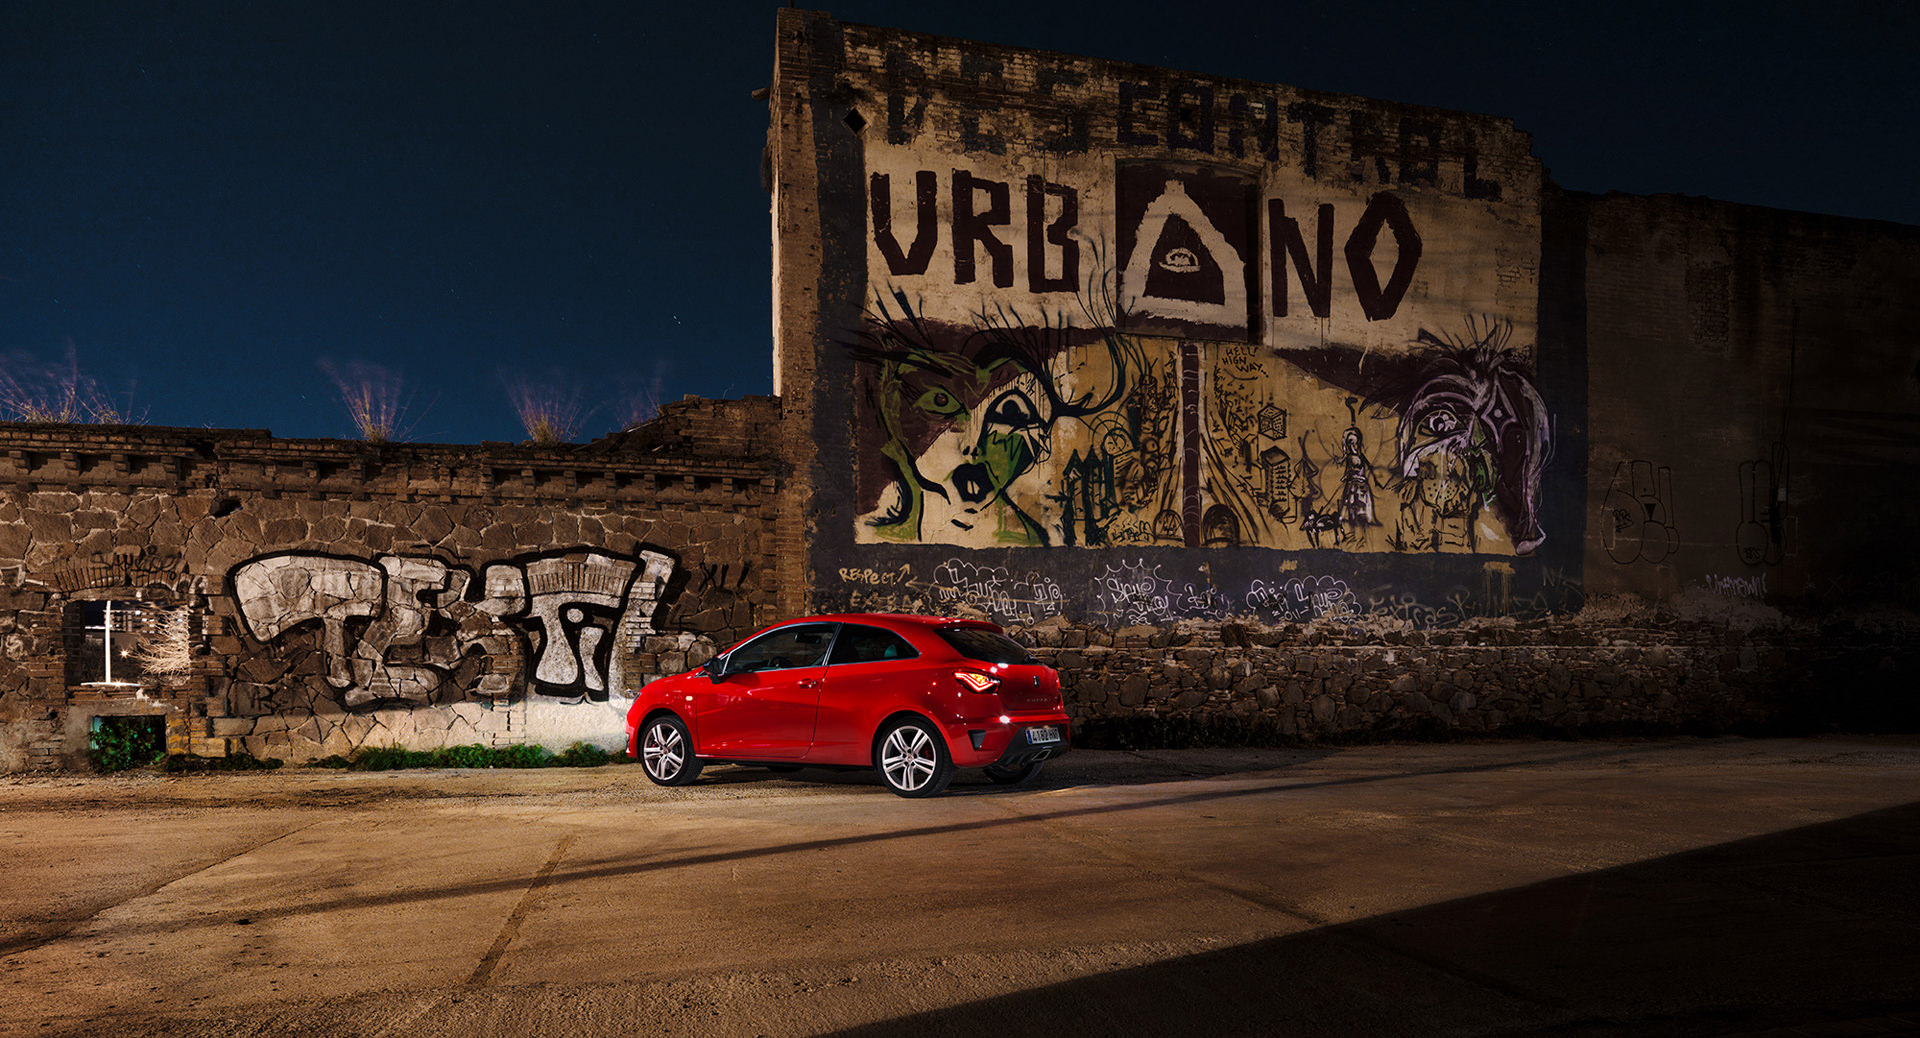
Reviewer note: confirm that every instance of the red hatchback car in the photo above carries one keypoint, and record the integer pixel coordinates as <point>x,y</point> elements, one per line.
<point>912,696</point>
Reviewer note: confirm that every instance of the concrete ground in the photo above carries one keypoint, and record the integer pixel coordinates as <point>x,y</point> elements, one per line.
<point>1573,889</point>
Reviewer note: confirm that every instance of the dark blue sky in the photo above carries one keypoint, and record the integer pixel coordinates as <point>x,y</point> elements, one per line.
<point>207,199</point>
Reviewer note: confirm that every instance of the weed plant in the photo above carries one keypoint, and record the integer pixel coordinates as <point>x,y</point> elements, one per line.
<point>119,743</point>
<point>472,755</point>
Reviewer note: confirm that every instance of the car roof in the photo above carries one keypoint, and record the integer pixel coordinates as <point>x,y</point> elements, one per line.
<point>898,618</point>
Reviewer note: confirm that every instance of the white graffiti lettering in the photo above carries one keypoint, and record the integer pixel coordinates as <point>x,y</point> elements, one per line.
<point>1738,587</point>
<point>1135,593</point>
<point>580,605</point>
<point>1301,599</point>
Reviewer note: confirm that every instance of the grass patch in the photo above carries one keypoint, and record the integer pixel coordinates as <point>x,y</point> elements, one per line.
<point>193,763</point>
<point>472,755</point>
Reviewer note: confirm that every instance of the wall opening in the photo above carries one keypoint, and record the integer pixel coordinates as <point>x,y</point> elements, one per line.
<point>104,638</point>
<point>119,743</point>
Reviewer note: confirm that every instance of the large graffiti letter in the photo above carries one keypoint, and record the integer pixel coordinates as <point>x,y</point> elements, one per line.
<point>926,190</point>
<point>284,591</point>
<point>970,227</point>
<point>1181,267</point>
<point>1383,210</point>
<point>589,605</point>
<point>1761,535</point>
<point>1058,233</point>
<point>1283,241</point>
<point>412,589</point>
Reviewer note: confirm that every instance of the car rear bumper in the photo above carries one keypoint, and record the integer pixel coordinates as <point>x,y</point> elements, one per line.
<point>1016,742</point>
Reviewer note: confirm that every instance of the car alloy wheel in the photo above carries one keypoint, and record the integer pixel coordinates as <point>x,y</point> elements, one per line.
<point>913,760</point>
<point>666,752</point>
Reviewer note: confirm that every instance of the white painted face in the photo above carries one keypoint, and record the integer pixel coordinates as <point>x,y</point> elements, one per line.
<point>990,469</point>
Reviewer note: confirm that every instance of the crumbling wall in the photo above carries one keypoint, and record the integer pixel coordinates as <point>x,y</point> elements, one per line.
<point>332,595</point>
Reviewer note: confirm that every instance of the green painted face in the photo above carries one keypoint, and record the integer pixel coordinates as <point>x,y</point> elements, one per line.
<point>1005,456</point>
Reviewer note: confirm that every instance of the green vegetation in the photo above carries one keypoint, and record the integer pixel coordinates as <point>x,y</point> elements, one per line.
<point>193,763</point>
<point>119,743</point>
<point>472,755</point>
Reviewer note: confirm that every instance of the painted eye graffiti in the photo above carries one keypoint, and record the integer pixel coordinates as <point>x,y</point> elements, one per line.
<point>940,402</point>
<point>1440,423</point>
<point>1014,411</point>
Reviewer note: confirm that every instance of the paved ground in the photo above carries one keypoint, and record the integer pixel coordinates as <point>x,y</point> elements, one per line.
<point>1572,889</point>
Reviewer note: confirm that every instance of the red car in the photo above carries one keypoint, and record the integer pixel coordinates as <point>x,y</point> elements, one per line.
<point>912,696</point>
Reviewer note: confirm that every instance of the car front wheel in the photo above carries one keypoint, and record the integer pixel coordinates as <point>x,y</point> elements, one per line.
<point>913,759</point>
<point>666,752</point>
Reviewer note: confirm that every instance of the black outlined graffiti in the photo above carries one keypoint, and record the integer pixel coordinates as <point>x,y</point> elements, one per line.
<point>1764,536</point>
<point>280,592</point>
<point>395,628</point>
<point>724,577</point>
<point>1636,517</point>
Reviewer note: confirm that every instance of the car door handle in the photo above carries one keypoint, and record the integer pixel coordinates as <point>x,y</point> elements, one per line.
<point>810,683</point>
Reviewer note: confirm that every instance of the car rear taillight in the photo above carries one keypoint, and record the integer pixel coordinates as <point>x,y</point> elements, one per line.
<point>974,681</point>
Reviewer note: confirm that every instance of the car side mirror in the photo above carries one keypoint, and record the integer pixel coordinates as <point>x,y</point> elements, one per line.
<point>716,668</point>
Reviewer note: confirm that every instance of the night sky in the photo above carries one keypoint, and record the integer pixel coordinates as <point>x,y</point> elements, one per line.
<point>208,202</point>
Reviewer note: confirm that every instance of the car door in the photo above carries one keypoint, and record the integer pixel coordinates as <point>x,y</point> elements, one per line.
<point>872,670</point>
<point>763,707</point>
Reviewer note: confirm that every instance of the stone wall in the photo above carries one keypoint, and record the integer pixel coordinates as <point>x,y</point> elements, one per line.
<point>1237,684</point>
<point>327,595</point>
<point>1753,401</point>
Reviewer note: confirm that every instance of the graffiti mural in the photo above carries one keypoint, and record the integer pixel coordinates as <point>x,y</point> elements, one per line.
<point>1637,519</point>
<point>1199,331</point>
<point>399,628</point>
<point>1004,432</point>
<point>969,418</point>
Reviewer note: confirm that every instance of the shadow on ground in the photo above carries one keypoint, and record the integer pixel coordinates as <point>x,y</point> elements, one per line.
<point>1815,929</point>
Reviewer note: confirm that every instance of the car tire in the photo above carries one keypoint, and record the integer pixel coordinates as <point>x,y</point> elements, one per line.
<point>666,752</point>
<point>1014,774</point>
<point>912,759</point>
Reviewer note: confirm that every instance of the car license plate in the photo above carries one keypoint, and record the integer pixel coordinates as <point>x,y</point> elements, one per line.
<point>1042,736</point>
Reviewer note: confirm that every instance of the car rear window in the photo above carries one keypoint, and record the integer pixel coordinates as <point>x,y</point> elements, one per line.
<point>859,643</point>
<point>985,646</point>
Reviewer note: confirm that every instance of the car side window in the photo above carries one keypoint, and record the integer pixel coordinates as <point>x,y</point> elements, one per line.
<point>862,644</point>
<point>800,645</point>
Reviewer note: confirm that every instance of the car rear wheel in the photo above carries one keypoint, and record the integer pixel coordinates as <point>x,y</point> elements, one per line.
<point>1013,774</point>
<point>666,752</point>
<point>913,759</point>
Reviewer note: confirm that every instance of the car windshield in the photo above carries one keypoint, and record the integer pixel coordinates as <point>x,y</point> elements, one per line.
<point>985,646</point>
